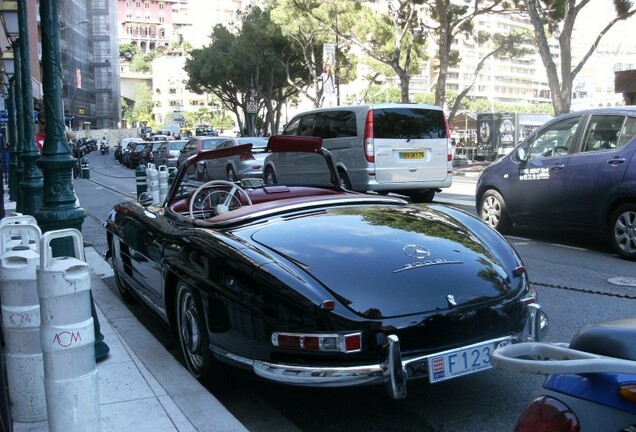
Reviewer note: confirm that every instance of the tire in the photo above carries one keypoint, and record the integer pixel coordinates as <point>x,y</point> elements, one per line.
<point>493,211</point>
<point>423,196</point>
<point>622,232</point>
<point>192,333</point>
<point>344,179</point>
<point>231,175</point>
<point>203,175</point>
<point>269,178</point>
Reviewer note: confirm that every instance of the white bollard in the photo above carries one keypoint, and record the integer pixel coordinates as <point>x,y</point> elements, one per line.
<point>21,329</point>
<point>12,235</point>
<point>68,337</point>
<point>153,182</point>
<point>163,182</point>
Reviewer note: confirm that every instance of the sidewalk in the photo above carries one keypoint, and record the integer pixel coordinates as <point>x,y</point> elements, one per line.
<point>142,388</point>
<point>467,168</point>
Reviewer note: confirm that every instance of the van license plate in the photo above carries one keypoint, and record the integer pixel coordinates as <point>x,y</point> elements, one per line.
<point>411,155</point>
<point>462,361</point>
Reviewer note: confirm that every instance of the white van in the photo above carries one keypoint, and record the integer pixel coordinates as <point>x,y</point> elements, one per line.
<point>401,148</point>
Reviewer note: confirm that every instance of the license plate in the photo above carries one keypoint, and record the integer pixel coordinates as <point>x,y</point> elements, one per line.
<point>411,155</point>
<point>461,361</point>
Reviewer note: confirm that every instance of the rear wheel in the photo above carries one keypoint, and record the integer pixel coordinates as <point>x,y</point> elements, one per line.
<point>192,333</point>
<point>231,175</point>
<point>202,175</point>
<point>493,211</point>
<point>623,231</point>
<point>423,196</point>
<point>344,179</point>
<point>270,177</point>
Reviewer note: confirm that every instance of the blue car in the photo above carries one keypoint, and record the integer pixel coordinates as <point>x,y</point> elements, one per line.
<point>577,171</point>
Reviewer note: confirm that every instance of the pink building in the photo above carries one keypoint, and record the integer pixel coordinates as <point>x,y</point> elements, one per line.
<point>146,23</point>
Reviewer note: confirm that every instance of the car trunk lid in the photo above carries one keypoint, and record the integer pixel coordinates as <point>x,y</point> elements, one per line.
<point>386,261</point>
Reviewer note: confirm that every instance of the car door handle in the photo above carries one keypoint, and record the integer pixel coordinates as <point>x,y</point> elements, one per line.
<point>558,167</point>
<point>616,161</point>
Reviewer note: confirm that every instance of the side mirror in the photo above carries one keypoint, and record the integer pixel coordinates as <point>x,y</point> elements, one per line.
<point>145,199</point>
<point>522,154</point>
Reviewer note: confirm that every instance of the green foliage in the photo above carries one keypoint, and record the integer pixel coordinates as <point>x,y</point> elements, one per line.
<point>396,40</point>
<point>234,66</point>
<point>140,64</point>
<point>127,51</point>
<point>381,94</point>
<point>142,109</point>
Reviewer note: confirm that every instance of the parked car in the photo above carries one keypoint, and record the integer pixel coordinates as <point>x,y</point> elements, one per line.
<point>238,167</point>
<point>402,148</point>
<point>577,172</point>
<point>311,284</point>
<point>159,137</point>
<point>196,145</point>
<point>136,151</point>
<point>205,131</point>
<point>123,146</point>
<point>168,152</point>
<point>148,154</point>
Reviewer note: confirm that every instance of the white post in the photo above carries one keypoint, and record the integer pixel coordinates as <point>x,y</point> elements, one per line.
<point>21,326</point>
<point>68,337</point>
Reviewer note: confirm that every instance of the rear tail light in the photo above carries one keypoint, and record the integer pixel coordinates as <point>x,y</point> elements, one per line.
<point>546,414</point>
<point>628,392</point>
<point>246,157</point>
<point>369,147</point>
<point>345,343</point>
<point>449,141</point>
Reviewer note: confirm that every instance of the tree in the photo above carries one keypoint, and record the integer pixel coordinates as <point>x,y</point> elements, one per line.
<point>142,110</point>
<point>556,18</point>
<point>395,39</point>
<point>307,38</point>
<point>127,51</point>
<point>236,67</point>
<point>451,20</point>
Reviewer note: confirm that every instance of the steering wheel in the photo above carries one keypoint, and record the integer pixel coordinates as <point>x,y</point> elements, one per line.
<point>557,150</point>
<point>217,201</point>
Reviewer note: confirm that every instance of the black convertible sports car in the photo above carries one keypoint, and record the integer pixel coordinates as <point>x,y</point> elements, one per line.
<point>306,283</point>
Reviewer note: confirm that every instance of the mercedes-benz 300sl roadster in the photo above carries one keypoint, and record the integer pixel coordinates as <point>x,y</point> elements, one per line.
<point>302,282</point>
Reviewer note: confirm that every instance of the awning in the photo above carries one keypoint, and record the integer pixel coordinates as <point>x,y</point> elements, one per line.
<point>463,121</point>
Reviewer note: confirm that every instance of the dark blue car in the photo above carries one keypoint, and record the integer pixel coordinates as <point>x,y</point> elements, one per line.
<point>577,171</point>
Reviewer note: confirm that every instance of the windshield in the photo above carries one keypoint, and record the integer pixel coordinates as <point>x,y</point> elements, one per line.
<point>177,145</point>
<point>211,144</point>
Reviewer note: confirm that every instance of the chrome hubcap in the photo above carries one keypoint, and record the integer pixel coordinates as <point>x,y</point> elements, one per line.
<point>625,232</point>
<point>491,211</point>
<point>190,331</point>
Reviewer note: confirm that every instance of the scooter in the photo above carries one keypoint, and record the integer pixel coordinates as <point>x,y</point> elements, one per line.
<point>104,148</point>
<point>591,383</point>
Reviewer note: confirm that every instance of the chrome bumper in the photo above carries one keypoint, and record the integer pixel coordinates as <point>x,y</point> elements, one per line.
<point>393,371</point>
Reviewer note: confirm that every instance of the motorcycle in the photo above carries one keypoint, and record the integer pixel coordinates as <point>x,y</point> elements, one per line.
<point>104,148</point>
<point>591,383</point>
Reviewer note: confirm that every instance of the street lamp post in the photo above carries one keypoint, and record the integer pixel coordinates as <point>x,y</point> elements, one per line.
<point>58,208</point>
<point>31,181</point>
<point>19,123</point>
<point>12,134</point>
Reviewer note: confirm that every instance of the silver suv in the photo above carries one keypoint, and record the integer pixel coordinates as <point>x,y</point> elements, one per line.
<point>401,148</point>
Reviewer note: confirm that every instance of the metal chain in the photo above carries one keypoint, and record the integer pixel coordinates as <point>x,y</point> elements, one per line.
<point>586,290</point>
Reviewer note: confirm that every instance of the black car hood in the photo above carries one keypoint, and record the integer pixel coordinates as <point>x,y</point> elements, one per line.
<point>390,261</point>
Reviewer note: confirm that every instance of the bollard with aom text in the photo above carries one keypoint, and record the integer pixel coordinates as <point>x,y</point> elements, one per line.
<point>21,323</point>
<point>68,337</point>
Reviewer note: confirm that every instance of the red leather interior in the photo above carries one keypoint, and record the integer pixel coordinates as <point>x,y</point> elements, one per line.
<point>266,194</point>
